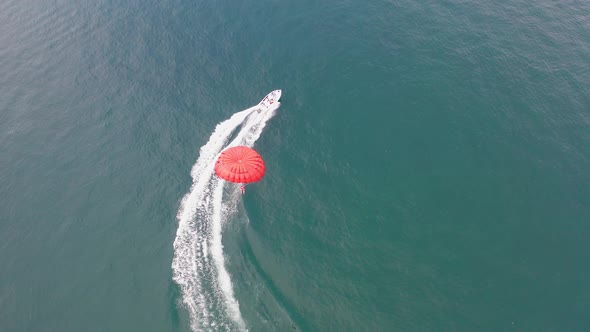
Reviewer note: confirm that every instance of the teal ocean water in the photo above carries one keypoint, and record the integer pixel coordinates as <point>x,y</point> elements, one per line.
<point>428,169</point>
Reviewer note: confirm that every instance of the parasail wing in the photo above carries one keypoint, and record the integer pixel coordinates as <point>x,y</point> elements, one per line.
<point>240,164</point>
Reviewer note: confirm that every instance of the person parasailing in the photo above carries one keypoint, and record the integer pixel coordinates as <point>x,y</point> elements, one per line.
<point>241,165</point>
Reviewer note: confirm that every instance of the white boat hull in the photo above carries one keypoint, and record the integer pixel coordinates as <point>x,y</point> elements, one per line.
<point>270,102</point>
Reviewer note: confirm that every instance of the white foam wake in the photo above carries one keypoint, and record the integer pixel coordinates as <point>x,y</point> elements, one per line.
<point>199,265</point>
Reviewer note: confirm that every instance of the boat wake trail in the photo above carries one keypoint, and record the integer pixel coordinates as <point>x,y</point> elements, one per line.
<point>199,265</point>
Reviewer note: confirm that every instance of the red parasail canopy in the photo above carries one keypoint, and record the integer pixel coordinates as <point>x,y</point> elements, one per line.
<point>240,164</point>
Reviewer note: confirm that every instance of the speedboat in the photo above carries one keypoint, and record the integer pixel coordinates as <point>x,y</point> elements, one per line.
<point>270,101</point>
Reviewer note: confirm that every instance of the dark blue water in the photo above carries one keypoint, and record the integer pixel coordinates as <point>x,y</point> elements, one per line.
<point>428,168</point>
